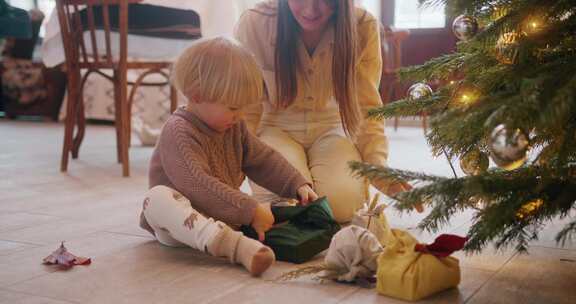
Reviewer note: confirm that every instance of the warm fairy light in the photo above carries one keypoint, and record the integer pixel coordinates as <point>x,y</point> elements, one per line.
<point>533,25</point>
<point>465,94</point>
<point>468,97</point>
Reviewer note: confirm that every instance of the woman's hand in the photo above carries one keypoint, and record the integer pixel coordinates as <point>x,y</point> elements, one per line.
<point>306,195</point>
<point>263,220</point>
<point>397,188</point>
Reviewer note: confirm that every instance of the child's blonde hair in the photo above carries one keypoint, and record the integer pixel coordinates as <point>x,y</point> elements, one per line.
<point>218,70</point>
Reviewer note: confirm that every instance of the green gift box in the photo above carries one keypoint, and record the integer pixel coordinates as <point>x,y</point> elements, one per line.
<point>299,232</point>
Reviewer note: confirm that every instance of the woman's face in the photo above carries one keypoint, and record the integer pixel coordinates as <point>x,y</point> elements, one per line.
<point>312,15</point>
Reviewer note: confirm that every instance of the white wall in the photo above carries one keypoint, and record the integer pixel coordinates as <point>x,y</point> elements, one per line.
<point>373,6</point>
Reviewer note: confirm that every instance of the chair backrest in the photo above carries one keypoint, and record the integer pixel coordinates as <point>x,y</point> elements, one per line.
<point>73,25</point>
<point>392,47</point>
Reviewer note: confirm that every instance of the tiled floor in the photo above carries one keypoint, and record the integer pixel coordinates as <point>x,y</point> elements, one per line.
<point>95,211</point>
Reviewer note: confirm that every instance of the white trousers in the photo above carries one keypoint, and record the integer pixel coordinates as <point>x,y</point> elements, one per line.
<point>175,222</point>
<point>323,161</point>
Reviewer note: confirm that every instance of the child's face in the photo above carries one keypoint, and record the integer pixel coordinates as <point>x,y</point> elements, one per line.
<point>217,116</point>
<point>312,15</point>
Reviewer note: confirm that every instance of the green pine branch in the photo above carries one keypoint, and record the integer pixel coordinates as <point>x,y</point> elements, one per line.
<point>567,233</point>
<point>502,194</point>
<point>528,83</point>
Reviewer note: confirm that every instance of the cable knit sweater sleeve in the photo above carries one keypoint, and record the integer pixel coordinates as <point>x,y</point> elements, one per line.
<point>268,168</point>
<point>184,163</point>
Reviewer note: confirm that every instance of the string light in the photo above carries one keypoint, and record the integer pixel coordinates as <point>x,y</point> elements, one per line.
<point>533,25</point>
<point>467,95</point>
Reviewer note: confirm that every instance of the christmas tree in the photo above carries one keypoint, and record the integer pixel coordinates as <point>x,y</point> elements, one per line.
<point>508,93</point>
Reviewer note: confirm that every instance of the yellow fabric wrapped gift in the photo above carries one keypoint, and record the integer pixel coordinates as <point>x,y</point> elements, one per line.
<point>409,275</point>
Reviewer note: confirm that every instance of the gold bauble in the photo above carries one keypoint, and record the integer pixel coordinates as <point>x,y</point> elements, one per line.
<point>474,162</point>
<point>529,208</point>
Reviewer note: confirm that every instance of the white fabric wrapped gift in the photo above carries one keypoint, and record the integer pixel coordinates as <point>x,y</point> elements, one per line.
<point>353,254</point>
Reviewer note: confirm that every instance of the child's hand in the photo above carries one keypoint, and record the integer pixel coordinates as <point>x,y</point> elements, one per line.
<point>306,195</point>
<point>399,187</point>
<point>263,220</point>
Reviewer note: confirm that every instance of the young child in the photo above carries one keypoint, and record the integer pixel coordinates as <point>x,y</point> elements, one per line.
<point>203,155</point>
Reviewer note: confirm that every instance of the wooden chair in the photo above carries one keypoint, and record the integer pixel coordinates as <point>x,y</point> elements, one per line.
<point>391,89</point>
<point>79,57</point>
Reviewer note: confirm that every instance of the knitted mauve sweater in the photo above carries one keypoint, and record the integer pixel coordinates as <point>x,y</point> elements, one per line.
<point>208,167</point>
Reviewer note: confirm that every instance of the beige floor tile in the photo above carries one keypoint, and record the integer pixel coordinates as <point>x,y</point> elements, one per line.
<point>148,273</point>
<point>472,280</point>
<point>490,259</point>
<point>18,220</point>
<point>130,229</point>
<point>99,206</point>
<point>97,213</point>
<point>48,233</point>
<point>547,236</point>
<point>26,264</point>
<point>543,276</point>
<point>297,291</point>
<point>9,247</point>
<point>10,297</point>
<point>67,229</point>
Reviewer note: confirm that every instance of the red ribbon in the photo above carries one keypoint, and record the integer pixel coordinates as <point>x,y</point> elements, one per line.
<point>443,246</point>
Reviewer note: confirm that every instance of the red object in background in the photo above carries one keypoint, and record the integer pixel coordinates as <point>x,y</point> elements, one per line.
<point>443,246</point>
<point>62,257</point>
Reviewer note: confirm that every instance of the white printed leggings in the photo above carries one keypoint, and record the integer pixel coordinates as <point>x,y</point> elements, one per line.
<point>175,222</point>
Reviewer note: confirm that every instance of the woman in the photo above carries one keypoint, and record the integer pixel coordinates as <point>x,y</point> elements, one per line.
<point>321,63</point>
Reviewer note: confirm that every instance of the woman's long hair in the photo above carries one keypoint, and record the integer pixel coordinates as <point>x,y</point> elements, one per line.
<point>343,61</point>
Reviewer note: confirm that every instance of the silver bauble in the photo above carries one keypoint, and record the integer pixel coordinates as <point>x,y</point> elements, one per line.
<point>419,90</point>
<point>465,27</point>
<point>508,147</point>
<point>474,162</point>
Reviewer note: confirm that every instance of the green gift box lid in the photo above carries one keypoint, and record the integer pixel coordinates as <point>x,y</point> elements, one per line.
<point>299,232</point>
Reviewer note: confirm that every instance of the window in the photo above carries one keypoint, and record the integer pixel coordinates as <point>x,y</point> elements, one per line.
<point>23,4</point>
<point>372,6</point>
<point>409,14</point>
<point>46,6</point>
